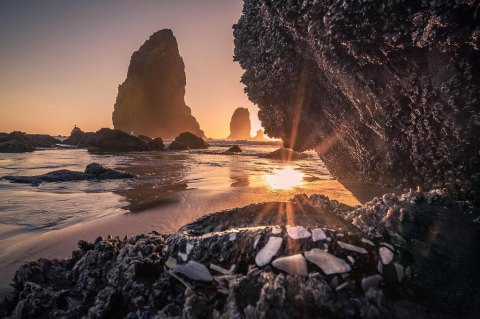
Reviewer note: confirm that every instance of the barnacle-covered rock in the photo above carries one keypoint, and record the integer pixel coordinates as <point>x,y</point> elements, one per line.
<point>210,268</point>
<point>385,91</point>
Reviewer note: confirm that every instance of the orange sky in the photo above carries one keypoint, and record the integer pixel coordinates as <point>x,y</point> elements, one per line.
<point>61,61</point>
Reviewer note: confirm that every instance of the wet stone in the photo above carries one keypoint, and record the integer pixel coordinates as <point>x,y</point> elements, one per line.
<point>318,234</point>
<point>371,282</point>
<point>386,255</point>
<point>353,248</point>
<point>266,254</point>
<point>293,265</point>
<point>194,271</point>
<point>298,232</point>
<point>327,262</point>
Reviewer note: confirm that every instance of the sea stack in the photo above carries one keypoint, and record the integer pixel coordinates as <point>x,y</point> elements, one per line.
<point>151,100</point>
<point>240,124</point>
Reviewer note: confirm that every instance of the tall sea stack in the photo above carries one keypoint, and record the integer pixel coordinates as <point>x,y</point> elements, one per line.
<point>386,91</point>
<point>240,124</point>
<point>151,100</point>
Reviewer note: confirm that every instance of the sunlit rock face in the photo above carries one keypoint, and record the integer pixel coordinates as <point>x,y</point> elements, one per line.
<point>386,91</point>
<point>240,124</point>
<point>151,100</point>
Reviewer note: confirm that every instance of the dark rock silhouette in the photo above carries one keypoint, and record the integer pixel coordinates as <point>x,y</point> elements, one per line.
<point>151,100</point>
<point>107,139</point>
<point>240,124</point>
<point>29,140</point>
<point>191,140</point>
<point>387,92</point>
<point>234,149</point>
<point>14,146</point>
<point>178,146</point>
<point>286,154</point>
<point>259,136</point>
<point>92,171</point>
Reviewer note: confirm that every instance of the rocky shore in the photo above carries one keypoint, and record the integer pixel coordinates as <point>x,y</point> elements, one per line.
<point>394,257</point>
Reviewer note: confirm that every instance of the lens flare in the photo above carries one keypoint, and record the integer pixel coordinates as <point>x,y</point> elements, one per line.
<point>284,178</point>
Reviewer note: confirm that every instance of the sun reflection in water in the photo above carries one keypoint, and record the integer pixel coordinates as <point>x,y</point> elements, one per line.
<point>284,178</point>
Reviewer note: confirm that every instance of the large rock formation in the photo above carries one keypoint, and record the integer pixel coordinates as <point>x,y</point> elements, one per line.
<point>110,140</point>
<point>151,100</point>
<point>240,124</point>
<point>387,91</point>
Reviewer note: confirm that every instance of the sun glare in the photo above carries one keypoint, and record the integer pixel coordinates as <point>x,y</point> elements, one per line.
<point>284,178</point>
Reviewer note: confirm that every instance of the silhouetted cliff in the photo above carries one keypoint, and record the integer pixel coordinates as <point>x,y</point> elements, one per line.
<point>240,124</point>
<point>151,100</point>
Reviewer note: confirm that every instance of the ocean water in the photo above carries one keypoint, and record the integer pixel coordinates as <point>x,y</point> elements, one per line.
<point>161,175</point>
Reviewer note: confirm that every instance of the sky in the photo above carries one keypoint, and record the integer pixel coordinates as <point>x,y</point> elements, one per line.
<point>61,61</point>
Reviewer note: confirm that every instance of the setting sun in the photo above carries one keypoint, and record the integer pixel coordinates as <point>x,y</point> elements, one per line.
<point>284,178</point>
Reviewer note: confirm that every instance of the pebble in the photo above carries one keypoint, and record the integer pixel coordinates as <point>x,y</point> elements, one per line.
<point>354,248</point>
<point>276,230</point>
<point>327,262</point>
<point>194,271</point>
<point>367,241</point>
<point>171,262</point>
<point>298,232</point>
<point>183,256</point>
<point>318,234</point>
<point>386,255</point>
<point>266,254</point>
<point>232,236</point>
<point>293,265</point>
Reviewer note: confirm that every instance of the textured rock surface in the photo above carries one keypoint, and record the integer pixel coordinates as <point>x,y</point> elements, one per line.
<point>151,100</point>
<point>92,171</point>
<point>240,124</point>
<point>387,91</point>
<point>143,276</point>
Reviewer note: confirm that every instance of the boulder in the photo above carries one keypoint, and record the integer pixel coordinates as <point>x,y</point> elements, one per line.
<point>234,149</point>
<point>286,154</point>
<point>156,144</point>
<point>178,146</point>
<point>14,146</point>
<point>151,99</point>
<point>386,92</point>
<point>240,124</point>
<point>191,140</point>
<point>33,140</point>
<point>93,171</point>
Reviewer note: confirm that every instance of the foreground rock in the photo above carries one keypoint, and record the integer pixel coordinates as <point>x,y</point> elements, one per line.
<point>191,140</point>
<point>15,147</point>
<point>286,154</point>
<point>93,171</point>
<point>19,142</point>
<point>234,149</point>
<point>240,125</point>
<point>151,100</point>
<point>398,83</point>
<point>178,146</point>
<point>110,140</point>
<point>246,263</point>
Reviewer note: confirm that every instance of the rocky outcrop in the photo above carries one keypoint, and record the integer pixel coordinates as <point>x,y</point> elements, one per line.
<point>240,124</point>
<point>191,140</point>
<point>234,149</point>
<point>151,100</point>
<point>286,154</point>
<point>93,171</point>
<point>14,146</point>
<point>255,262</point>
<point>110,140</point>
<point>386,91</point>
<point>177,146</point>
<point>23,142</point>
